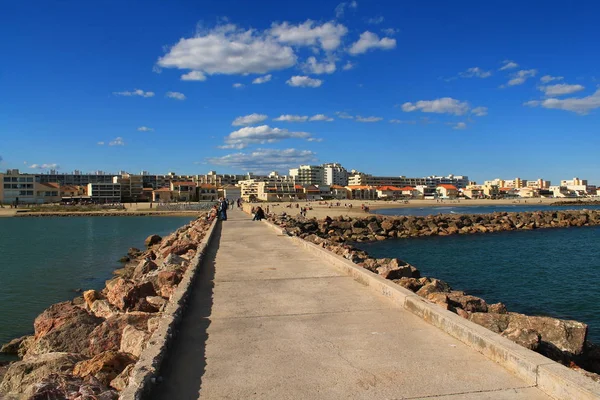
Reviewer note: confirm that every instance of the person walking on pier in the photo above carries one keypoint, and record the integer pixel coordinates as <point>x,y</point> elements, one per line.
<point>223,209</point>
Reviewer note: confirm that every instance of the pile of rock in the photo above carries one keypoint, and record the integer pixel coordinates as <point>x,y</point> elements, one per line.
<point>377,227</point>
<point>562,340</point>
<point>88,347</point>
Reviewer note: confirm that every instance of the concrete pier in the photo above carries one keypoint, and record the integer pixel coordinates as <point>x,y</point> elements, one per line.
<point>269,320</point>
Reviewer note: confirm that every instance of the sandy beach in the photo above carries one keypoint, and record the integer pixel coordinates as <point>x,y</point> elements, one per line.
<point>322,210</point>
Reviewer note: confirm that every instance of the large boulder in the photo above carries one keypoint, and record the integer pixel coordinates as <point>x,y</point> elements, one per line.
<point>105,366</point>
<point>62,328</point>
<point>152,240</point>
<point>107,336</point>
<point>133,340</point>
<point>527,338</point>
<point>122,380</point>
<point>396,269</point>
<point>22,376</point>
<point>13,346</point>
<point>90,296</point>
<point>124,294</point>
<point>466,302</point>
<point>103,309</point>
<point>143,268</point>
<point>492,321</point>
<point>557,335</point>
<point>166,282</point>
<point>434,286</point>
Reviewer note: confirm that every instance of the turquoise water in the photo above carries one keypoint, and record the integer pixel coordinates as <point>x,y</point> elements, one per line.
<point>457,209</point>
<point>554,272</point>
<point>44,260</point>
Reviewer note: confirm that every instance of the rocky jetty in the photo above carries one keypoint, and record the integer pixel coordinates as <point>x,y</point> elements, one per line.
<point>564,341</point>
<point>86,348</point>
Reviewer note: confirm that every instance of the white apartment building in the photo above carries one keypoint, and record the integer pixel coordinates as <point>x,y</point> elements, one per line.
<point>433,181</point>
<point>335,174</point>
<point>308,175</point>
<point>17,188</point>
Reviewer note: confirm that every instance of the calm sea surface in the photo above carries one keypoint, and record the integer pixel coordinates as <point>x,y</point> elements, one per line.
<point>44,260</point>
<point>455,208</point>
<point>554,272</point>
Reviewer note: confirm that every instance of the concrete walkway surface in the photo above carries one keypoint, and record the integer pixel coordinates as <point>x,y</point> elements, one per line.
<point>268,320</point>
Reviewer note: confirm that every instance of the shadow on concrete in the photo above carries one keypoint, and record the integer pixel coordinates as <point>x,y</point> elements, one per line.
<point>184,367</point>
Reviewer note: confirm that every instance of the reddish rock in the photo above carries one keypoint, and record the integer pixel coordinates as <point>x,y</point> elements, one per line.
<point>125,294</point>
<point>152,240</point>
<point>466,302</point>
<point>143,267</point>
<point>183,248</point>
<point>122,380</point>
<point>462,313</point>
<point>62,328</point>
<point>498,308</point>
<point>107,336</point>
<point>411,284</point>
<point>62,386</point>
<point>105,366</point>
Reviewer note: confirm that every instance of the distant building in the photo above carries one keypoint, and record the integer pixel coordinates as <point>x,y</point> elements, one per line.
<point>388,192</point>
<point>362,192</point>
<point>104,192</point>
<point>447,191</point>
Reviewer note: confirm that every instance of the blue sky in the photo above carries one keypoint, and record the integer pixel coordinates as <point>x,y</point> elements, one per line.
<point>485,89</point>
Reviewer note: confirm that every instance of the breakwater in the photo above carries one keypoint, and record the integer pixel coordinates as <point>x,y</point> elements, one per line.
<point>562,340</point>
<point>90,346</point>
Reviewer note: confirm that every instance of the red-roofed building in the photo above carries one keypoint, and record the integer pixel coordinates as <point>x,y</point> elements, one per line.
<point>388,192</point>
<point>447,191</point>
<point>362,192</point>
<point>207,192</point>
<point>184,191</point>
<point>339,192</point>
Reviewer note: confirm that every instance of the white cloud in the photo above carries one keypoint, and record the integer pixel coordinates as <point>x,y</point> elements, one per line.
<point>291,118</point>
<point>193,76</point>
<point>250,119</point>
<point>579,105</point>
<point>560,89</point>
<point>375,20</point>
<point>328,35</point>
<point>229,50</point>
<point>45,166</point>
<point>135,92</point>
<point>369,40</point>
<point>521,76</point>
<point>479,111</point>
<point>344,115</point>
<point>549,78</point>
<point>368,119</point>
<point>476,72</point>
<point>444,105</point>
<point>262,79</point>
<point>320,117</point>
<point>508,64</point>
<point>100,143</point>
<point>304,81</point>
<point>312,66</point>
<point>341,8</point>
<point>460,125</point>
<point>117,142</point>
<point>144,129</point>
<point>399,121</point>
<point>348,66</point>
<point>259,135</point>
<point>312,139</point>
<point>238,85</point>
<point>176,95</point>
<point>390,31</point>
<point>265,160</point>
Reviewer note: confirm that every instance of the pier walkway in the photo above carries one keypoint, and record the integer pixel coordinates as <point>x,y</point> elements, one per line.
<point>268,320</point>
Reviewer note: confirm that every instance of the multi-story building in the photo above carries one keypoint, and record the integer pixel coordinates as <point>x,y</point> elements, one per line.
<point>579,186</point>
<point>276,191</point>
<point>433,181</point>
<point>335,174</point>
<point>132,187</point>
<point>249,188</point>
<point>308,175</point>
<point>17,188</point>
<point>104,192</point>
<point>184,191</point>
<point>47,192</point>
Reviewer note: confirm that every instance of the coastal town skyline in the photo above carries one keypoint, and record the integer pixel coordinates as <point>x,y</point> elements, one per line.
<point>385,88</point>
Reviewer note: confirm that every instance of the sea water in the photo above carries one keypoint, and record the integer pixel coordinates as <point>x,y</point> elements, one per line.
<point>46,260</point>
<point>552,272</point>
<point>456,208</point>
